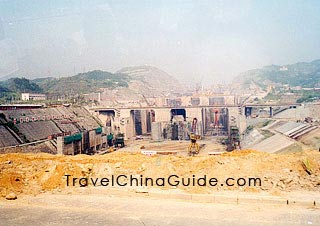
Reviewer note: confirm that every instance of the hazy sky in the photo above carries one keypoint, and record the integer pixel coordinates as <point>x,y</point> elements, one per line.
<point>213,40</point>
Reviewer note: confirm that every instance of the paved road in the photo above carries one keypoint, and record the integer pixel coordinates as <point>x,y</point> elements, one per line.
<point>48,209</point>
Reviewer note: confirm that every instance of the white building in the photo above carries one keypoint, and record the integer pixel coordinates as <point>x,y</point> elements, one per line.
<point>33,96</point>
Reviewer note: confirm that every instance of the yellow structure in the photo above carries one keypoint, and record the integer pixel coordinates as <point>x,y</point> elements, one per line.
<point>193,148</point>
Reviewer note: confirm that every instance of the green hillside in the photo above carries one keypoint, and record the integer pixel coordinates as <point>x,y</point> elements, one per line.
<point>12,88</point>
<point>83,83</point>
<point>78,84</point>
<point>299,74</point>
<point>20,85</point>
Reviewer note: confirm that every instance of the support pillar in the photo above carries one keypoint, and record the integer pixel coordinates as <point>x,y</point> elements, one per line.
<point>248,111</point>
<point>60,145</point>
<point>271,112</point>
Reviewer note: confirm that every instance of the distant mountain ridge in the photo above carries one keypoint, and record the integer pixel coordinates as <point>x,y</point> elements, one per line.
<point>83,83</point>
<point>298,74</point>
<point>19,85</point>
<point>148,80</point>
<point>13,87</point>
<point>130,82</point>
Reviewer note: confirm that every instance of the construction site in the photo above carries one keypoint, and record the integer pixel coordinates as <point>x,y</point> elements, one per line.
<point>151,113</point>
<point>277,148</point>
<point>210,156</point>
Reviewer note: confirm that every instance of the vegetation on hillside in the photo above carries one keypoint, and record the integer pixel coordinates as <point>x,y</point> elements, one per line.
<point>299,74</point>
<point>11,89</point>
<point>83,83</point>
<point>309,96</point>
<point>21,85</point>
<point>302,95</point>
<point>4,90</point>
<point>91,81</point>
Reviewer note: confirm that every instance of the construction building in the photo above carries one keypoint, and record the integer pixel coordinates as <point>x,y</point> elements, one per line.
<point>32,96</point>
<point>64,130</point>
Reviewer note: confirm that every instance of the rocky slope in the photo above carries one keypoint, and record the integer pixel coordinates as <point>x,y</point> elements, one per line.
<point>151,81</point>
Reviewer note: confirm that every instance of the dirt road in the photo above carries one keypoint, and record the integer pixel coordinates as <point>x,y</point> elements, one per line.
<point>108,210</point>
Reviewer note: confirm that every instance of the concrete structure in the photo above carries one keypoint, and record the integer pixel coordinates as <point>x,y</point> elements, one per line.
<point>60,145</point>
<point>4,107</point>
<point>156,131</point>
<point>33,96</point>
<point>133,121</point>
<point>216,101</point>
<point>69,130</point>
<point>300,112</point>
<point>273,144</point>
<point>87,142</point>
<point>197,100</point>
<point>6,137</point>
<point>137,121</point>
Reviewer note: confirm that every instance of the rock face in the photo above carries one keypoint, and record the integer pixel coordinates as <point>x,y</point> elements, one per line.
<point>150,81</point>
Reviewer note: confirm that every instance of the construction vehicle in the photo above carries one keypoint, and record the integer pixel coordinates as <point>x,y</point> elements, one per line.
<point>119,140</point>
<point>193,148</point>
<point>234,139</point>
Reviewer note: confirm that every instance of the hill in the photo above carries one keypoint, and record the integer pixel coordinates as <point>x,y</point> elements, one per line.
<point>20,85</point>
<point>127,83</point>
<point>4,89</point>
<point>12,88</point>
<point>83,83</point>
<point>151,81</point>
<point>299,74</point>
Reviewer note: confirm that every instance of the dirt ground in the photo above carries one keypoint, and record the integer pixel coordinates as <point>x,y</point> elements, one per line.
<point>80,209</point>
<point>23,173</point>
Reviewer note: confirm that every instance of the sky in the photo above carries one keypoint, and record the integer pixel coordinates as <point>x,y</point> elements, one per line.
<point>194,41</point>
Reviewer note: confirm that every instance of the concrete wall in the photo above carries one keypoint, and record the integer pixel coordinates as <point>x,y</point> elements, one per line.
<point>64,149</point>
<point>128,127</point>
<point>95,143</point>
<point>162,115</point>
<point>123,123</point>
<point>229,100</point>
<point>98,141</point>
<point>301,112</point>
<point>125,120</point>
<point>298,113</point>
<point>68,149</point>
<point>194,113</point>
<point>144,121</point>
<point>236,119</point>
<point>92,140</point>
<point>125,113</point>
<point>156,134</point>
<point>204,101</point>
<point>60,145</point>
<point>103,118</point>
